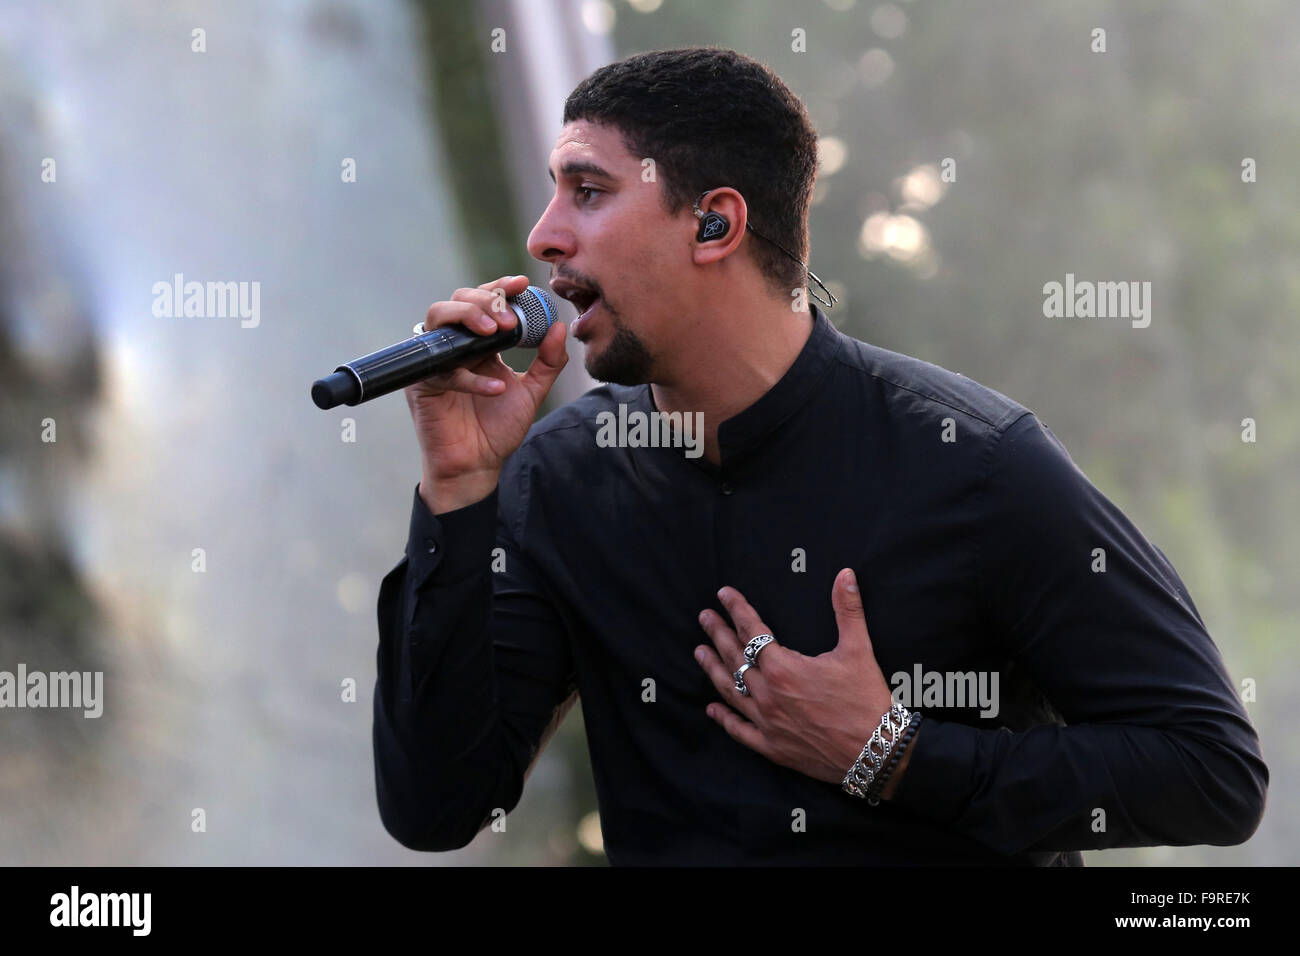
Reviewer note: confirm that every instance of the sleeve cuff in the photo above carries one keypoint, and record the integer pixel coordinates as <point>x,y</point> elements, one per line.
<point>456,543</point>
<point>937,783</point>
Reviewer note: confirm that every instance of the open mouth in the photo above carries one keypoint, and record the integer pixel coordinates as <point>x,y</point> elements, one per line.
<point>583,299</point>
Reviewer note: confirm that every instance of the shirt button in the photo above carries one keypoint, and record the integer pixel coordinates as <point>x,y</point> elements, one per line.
<point>727,488</point>
<point>431,544</point>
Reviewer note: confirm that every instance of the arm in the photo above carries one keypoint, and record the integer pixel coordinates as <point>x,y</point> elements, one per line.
<point>1156,736</point>
<point>474,675</point>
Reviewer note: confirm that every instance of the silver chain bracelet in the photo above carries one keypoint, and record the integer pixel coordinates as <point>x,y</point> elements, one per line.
<point>864,769</point>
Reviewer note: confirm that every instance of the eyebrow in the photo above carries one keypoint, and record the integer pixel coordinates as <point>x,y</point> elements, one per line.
<point>576,167</point>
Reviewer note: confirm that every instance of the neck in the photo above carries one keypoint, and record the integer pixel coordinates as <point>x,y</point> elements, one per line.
<point>728,366</point>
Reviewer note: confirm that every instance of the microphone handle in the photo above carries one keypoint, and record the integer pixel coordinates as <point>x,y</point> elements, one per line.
<point>397,366</point>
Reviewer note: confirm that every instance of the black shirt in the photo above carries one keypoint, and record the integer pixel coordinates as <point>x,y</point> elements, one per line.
<point>974,538</point>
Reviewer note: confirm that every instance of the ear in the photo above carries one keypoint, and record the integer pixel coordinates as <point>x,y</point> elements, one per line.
<point>730,204</point>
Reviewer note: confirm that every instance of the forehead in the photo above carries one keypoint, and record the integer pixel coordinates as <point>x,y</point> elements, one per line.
<point>584,141</point>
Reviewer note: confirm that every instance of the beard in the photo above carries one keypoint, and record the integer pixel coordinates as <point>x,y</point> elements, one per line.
<point>625,361</point>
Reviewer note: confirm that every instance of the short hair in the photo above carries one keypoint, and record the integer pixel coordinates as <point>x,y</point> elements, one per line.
<point>711,117</point>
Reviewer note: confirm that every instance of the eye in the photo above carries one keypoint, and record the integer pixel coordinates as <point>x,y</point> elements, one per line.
<point>588,189</point>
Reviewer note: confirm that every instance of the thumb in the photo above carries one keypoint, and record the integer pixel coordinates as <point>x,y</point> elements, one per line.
<point>849,616</point>
<point>551,358</point>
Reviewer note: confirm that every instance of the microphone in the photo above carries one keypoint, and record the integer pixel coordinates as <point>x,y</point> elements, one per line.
<point>437,350</point>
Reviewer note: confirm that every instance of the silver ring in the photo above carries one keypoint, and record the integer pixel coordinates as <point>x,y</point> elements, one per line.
<point>755,645</point>
<point>740,679</point>
<point>419,329</point>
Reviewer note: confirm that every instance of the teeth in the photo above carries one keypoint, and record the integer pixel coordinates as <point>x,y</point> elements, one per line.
<point>581,298</point>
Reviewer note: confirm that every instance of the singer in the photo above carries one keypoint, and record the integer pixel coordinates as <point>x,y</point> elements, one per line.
<point>733,622</point>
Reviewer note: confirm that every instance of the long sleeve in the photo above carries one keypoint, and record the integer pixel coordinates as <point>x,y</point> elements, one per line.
<point>1155,736</point>
<point>474,673</point>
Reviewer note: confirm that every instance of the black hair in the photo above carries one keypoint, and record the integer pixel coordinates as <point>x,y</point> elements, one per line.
<point>712,117</point>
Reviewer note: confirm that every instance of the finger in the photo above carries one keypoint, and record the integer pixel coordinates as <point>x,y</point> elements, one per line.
<point>739,728</point>
<point>723,679</point>
<point>491,297</point>
<point>723,637</point>
<point>546,367</point>
<point>724,683</point>
<point>463,380</point>
<point>512,284</point>
<point>748,623</point>
<point>846,599</point>
<point>496,367</point>
<point>460,312</point>
<point>492,304</point>
<point>508,286</point>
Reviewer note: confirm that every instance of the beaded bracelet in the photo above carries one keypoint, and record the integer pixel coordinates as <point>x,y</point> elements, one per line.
<point>877,785</point>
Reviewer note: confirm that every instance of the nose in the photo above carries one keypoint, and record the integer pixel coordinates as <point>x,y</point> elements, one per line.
<point>550,238</point>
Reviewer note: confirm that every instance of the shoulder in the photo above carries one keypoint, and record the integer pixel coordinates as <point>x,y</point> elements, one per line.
<point>914,390</point>
<point>1020,467</point>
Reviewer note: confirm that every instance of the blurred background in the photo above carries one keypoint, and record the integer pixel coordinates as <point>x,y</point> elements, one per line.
<point>175,512</point>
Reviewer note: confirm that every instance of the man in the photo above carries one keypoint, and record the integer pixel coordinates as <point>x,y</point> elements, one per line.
<point>874,514</point>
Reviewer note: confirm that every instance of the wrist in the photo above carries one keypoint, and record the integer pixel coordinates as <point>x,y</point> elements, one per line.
<point>444,493</point>
<point>875,773</point>
<point>892,784</point>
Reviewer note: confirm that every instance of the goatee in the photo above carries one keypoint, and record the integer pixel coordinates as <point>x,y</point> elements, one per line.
<point>625,361</point>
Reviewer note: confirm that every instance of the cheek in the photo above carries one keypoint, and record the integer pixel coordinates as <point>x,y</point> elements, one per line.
<point>635,263</point>
<point>638,269</point>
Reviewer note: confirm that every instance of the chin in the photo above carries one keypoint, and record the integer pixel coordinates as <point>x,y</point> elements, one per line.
<point>624,360</point>
<point>613,376</point>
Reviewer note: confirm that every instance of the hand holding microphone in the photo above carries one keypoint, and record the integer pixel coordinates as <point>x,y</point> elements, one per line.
<point>440,347</point>
<point>474,410</point>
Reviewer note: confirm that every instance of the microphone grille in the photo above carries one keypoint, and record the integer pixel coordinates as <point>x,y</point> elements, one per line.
<point>536,310</point>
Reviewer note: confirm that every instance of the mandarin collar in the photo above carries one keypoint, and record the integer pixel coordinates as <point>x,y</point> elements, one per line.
<point>743,433</point>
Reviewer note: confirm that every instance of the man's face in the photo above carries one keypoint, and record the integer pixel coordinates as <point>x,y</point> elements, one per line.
<point>611,245</point>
